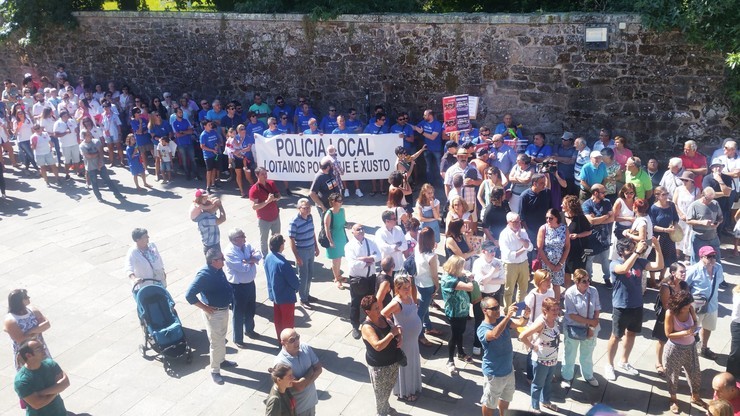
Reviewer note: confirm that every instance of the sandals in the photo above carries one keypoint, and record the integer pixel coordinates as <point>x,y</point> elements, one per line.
<point>408,399</point>
<point>340,286</point>
<point>551,407</point>
<point>674,408</point>
<point>660,369</point>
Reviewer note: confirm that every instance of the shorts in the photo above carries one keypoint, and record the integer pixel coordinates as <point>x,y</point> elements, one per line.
<point>112,139</point>
<point>707,321</point>
<point>238,163</point>
<point>71,154</point>
<point>165,166</point>
<point>249,161</point>
<point>45,160</point>
<point>495,388</point>
<point>211,163</point>
<point>629,319</point>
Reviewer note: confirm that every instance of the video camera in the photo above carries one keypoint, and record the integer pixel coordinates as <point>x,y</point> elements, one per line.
<point>547,166</point>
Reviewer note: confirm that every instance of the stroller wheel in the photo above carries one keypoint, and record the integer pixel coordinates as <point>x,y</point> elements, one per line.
<point>142,350</point>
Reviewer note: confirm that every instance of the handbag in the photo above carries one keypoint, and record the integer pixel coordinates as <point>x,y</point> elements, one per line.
<point>578,332</point>
<point>536,264</point>
<point>701,302</point>
<point>323,239</point>
<point>677,234</point>
<point>475,242</point>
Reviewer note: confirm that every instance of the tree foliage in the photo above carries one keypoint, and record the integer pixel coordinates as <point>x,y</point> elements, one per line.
<point>32,18</point>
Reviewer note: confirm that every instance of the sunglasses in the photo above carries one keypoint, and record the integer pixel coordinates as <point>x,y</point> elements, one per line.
<point>283,118</point>
<point>493,308</point>
<point>711,256</point>
<point>586,281</point>
<point>294,339</point>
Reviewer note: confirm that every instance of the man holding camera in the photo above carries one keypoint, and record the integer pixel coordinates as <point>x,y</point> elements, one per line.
<point>264,196</point>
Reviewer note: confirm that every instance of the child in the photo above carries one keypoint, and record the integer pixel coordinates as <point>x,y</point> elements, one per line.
<point>338,170</point>
<point>134,162</point>
<point>166,151</point>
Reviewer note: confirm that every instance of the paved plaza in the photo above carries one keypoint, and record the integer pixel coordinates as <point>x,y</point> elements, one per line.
<point>67,250</point>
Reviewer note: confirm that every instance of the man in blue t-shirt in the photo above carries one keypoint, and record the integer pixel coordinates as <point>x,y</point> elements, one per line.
<point>405,131</point>
<point>566,155</point>
<point>498,355</point>
<point>598,212</point>
<point>281,107</point>
<point>378,111</point>
<point>628,274</point>
<point>592,173</point>
<point>431,129</point>
<point>353,123</point>
<point>329,122</point>
<point>211,146</point>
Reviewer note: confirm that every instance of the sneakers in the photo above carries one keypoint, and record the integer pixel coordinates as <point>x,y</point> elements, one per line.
<point>346,193</point>
<point>708,354</point>
<point>359,193</point>
<point>477,351</point>
<point>593,382</point>
<point>356,333</point>
<point>217,378</point>
<point>609,373</point>
<point>565,384</point>
<point>628,369</point>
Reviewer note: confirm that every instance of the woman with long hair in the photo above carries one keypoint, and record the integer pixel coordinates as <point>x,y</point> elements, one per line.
<point>426,280</point>
<point>543,339</point>
<point>664,217</point>
<point>456,285</point>
<point>395,204</point>
<point>683,197</point>
<point>671,284</point>
<point>334,223</point>
<point>427,210</point>
<point>24,322</point>
<point>642,230</point>
<point>455,243</point>
<point>553,246</point>
<point>624,216</point>
<point>280,401</point>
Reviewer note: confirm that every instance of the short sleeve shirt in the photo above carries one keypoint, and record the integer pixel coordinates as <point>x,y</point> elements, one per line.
<point>627,292</point>
<point>258,192</point>
<point>498,353</point>
<point>324,185</point>
<point>300,364</point>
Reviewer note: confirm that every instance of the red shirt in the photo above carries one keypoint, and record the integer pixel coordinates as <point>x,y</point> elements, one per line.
<point>696,162</point>
<point>258,192</point>
<point>735,403</point>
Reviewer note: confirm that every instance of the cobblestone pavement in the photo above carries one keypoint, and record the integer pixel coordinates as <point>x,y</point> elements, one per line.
<point>67,250</point>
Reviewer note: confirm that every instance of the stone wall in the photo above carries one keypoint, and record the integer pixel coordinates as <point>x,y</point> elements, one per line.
<point>655,89</point>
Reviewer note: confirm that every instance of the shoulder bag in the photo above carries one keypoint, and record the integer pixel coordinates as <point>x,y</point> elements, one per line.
<point>323,239</point>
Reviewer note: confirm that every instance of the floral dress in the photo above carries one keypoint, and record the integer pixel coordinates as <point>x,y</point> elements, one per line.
<point>554,246</point>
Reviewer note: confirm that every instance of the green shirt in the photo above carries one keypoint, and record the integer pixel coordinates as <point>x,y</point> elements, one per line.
<point>641,181</point>
<point>457,302</point>
<point>28,382</point>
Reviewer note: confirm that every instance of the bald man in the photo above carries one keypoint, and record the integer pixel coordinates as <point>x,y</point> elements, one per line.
<point>725,387</point>
<point>306,369</point>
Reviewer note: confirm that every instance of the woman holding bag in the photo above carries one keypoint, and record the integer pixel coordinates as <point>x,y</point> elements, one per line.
<point>543,339</point>
<point>581,326</point>
<point>334,223</point>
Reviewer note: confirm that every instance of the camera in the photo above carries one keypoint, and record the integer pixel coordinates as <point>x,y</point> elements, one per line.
<point>547,166</point>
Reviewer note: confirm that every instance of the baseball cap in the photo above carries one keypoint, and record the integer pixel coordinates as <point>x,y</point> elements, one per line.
<point>167,95</point>
<point>596,153</point>
<point>488,246</point>
<point>199,193</point>
<point>567,136</point>
<point>482,152</point>
<point>450,144</point>
<point>707,251</point>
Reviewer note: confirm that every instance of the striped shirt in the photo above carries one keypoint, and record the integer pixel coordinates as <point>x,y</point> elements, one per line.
<point>302,231</point>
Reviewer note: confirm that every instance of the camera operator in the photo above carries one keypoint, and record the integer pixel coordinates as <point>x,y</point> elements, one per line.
<point>549,168</point>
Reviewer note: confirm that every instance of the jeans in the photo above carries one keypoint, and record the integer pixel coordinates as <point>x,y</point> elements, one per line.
<point>433,160</point>
<point>541,384</point>
<point>245,302</point>
<point>305,272</point>
<point>217,323</point>
<point>602,259</point>
<point>697,244</point>
<point>586,357</point>
<point>425,299</point>
<point>187,159</point>
<point>27,154</point>
<point>457,326</point>
<point>55,141</point>
<point>265,227</point>
<point>103,172</point>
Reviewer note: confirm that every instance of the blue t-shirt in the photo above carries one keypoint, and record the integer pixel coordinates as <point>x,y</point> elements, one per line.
<point>309,131</point>
<point>566,170</point>
<point>593,175</point>
<point>285,129</point>
<point>407,131</point>
<point>180,126</point>
<point>498,354</point>
<point>627,292</point>
<point>161,130</point>
<point>277,111</point>
<point>374,129</point>
<point>345,131</point>
<point>202,115</point>
<point>144,138</point>
<point>216,116</point>
<point>230,122</point>
<point>303,121</point>
<point>539,152</point>
<point>328,124</point>
<point>210,140</point>
<point>501,129</point>
<point>253,128</point>
<point>269,133</point>
<point>429,128</point>
<point>353,126</point>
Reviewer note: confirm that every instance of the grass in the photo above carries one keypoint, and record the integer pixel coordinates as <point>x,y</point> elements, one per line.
<point>162,6</point>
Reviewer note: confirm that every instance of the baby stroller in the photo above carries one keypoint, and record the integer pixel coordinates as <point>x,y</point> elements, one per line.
<point>159,321</point>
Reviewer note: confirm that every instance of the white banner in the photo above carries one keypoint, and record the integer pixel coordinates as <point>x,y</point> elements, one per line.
<point>294,157</point>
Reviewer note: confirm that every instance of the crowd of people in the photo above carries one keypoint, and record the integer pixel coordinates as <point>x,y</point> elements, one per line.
<point>506,212</point>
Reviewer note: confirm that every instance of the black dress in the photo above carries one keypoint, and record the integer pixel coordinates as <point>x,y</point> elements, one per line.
<point>576,255</point>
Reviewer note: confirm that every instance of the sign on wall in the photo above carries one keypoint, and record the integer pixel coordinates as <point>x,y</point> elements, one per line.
<point>456,113</point>
<point>294,157</point>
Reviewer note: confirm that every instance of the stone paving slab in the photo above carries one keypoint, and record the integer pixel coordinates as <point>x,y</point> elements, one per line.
<point>67,250</point>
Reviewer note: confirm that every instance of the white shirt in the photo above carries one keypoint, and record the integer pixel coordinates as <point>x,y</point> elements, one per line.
<point>510,242</point>
<point>735,307</point>
<point>66,132</point>
<point>670,182</point>
<point>731,165</point>
<point>423,269</point>
<point>355,249</point>
<point>392,243</point>
<point>490,276</point>
<point>237,268</point>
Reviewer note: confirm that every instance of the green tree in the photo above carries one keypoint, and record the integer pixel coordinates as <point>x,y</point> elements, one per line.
<point>31,18</point>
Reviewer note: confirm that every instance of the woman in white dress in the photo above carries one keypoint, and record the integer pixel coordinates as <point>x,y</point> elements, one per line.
<point>683,197</point>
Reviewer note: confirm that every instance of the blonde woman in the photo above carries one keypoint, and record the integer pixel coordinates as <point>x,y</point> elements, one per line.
<point>543,339</point>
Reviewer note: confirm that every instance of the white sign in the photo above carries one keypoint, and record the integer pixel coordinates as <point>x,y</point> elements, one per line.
<point>294,157</point>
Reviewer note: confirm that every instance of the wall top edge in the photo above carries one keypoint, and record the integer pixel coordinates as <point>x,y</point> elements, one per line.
<point>415,18</point>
